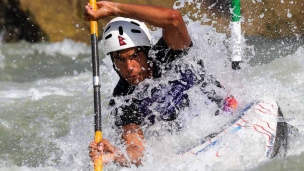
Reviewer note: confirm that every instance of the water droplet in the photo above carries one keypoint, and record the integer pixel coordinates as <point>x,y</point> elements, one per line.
<point>75,73</point>
<point>262,15</point>
<point>289,15</point>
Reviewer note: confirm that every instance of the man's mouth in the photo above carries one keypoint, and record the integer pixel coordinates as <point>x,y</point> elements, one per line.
<point>134,79</point>
<point>134,76</point>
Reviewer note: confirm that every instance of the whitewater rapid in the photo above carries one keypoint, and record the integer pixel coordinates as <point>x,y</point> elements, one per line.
<point>46,109</point>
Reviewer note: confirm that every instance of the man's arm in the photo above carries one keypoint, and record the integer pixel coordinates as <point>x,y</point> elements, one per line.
<point>134,140</point>
<point>175,31</point>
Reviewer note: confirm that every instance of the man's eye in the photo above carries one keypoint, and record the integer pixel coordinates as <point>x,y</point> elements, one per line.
<point>119,59</point>
<point>136,54</point>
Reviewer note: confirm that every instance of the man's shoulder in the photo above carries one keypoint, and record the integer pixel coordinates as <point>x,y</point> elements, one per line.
<point>165,54</point>
<point>160,45</point>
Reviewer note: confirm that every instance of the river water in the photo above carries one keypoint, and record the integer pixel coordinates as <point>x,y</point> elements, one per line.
<point>46,104</point>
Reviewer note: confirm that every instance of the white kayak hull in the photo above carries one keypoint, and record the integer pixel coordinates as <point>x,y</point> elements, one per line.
<point>264,118</point>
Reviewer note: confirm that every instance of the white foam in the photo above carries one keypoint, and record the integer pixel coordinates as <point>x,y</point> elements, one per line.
<point>281,79</point>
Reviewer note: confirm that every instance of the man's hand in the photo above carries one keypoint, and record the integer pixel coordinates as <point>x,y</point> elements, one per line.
<point>104,9</point>
<point>108,152</point>
<point>133,139</point>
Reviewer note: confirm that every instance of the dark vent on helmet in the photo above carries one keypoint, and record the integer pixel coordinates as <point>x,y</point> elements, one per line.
<point>107,29</point>
<point>108,36</point>
<point>135,23</point>
<point>120,30</point>
<point>135,31</point>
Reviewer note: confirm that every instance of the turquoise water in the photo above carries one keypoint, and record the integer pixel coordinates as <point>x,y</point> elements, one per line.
<point>46,104</point>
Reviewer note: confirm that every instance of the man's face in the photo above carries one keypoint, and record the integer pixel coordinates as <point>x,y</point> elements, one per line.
<point>132,65</point>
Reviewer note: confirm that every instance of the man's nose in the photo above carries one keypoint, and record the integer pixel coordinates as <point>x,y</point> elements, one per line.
<point>129,64</point>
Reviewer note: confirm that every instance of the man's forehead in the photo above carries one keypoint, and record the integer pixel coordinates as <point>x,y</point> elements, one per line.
<point>128,51</point>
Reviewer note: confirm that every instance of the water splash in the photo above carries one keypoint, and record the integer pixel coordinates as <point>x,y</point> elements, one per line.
<point>54,127</point>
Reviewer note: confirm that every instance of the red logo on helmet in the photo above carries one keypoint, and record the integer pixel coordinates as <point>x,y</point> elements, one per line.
<point>121,41</point>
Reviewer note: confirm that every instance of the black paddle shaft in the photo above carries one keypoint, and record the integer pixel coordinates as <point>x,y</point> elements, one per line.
<point>96,83</point>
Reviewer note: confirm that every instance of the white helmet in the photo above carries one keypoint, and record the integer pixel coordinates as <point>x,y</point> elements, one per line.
<point>122,33</point>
